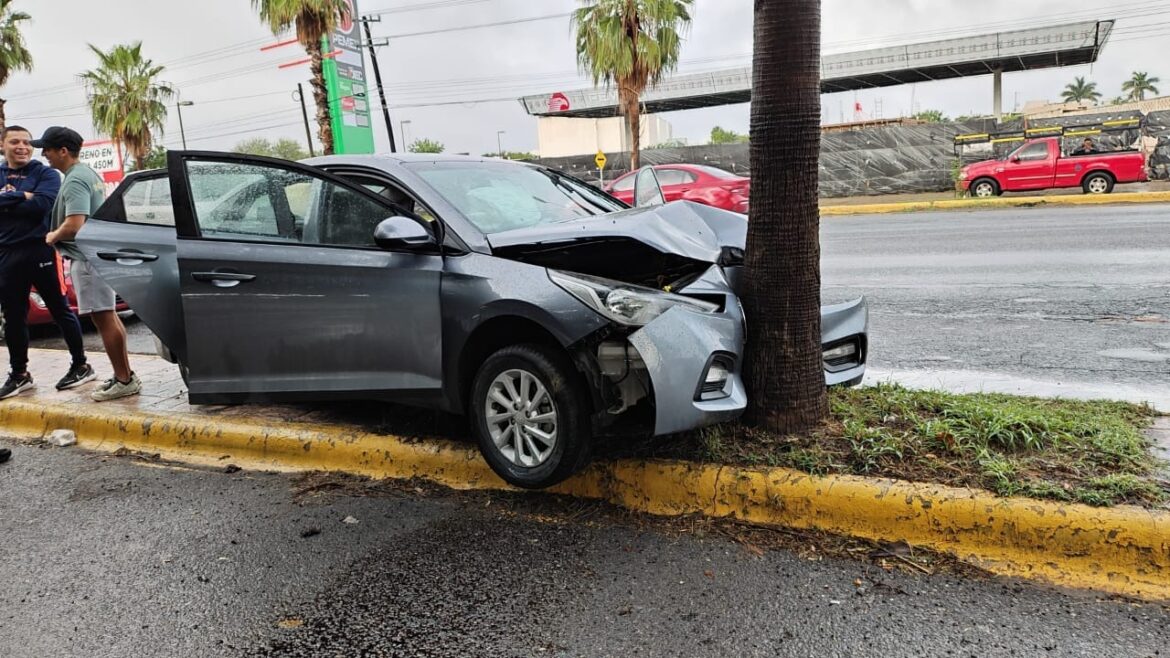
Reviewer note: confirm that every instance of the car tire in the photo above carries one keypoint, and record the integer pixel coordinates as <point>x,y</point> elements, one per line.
<point>985,188</point>
<point>518,449</point>
<point>1098,183</point>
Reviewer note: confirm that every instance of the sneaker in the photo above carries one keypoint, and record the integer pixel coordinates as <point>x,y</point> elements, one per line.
<point>119,390</point>
<point>106,384</point>
<point>16,384</point>
<point>77,376</point>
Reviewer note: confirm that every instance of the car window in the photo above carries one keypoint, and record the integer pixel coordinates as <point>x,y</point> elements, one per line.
<point>269,203</point>
<point>625,184</point>
<point>501,196</point>
<point>392,194</point>
<point>675,177</point>
<point>160,192</point>
<point>136,192</point>
<point>1033,152</point>
<point>716,172</point>
<point>138,206</point>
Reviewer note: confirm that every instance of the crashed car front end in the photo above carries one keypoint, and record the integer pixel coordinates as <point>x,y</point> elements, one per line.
<point>667,280</point>
<point>681,352</point>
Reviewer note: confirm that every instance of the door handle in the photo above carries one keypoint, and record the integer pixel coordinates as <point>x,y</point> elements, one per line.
<point>223,279</point>
<point>127,257</point>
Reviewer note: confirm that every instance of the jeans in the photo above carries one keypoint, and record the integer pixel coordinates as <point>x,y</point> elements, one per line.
<point>22,267</point>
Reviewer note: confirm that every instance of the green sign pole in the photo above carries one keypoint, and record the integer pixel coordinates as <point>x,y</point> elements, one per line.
<point>345,80</point>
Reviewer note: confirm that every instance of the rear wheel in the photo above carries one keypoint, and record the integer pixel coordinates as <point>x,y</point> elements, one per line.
<point>984,188</point>
<point>1098,184</point>
<point>530,416</point>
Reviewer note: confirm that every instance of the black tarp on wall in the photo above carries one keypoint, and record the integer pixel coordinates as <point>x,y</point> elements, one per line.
<point>899,159</point>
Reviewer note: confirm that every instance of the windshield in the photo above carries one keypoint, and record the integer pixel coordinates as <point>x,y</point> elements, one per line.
<point>500,196</point>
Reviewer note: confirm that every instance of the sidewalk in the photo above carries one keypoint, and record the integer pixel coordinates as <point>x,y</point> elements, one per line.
<point>1122,550</point>
<point>163,392</point>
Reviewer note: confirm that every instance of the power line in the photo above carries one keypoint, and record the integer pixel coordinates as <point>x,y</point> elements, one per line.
<point>439,4</point>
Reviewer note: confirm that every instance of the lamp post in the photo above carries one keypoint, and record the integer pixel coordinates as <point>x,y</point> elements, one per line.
<point>500,142</point>
<point>402,129</point>
<point>179,106</point>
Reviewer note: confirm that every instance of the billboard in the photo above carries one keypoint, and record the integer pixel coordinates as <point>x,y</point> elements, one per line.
<point>349,96</point>
<point>105,158</point>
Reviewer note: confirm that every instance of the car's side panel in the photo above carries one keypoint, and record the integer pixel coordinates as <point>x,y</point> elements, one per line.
<point>312,319</point>
<point>286,303</point>
<point>477,289</point>
<point>149,285</point>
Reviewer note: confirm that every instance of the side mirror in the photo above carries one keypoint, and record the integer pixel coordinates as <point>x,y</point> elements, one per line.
<point>647,190</point>
<point>403,234</point>
<point>1015,158</point>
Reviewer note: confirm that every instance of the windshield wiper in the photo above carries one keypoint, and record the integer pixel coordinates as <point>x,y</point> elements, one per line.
<point>576,194</point>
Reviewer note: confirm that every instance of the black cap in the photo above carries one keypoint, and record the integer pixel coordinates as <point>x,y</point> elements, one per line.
<point>59,137</point>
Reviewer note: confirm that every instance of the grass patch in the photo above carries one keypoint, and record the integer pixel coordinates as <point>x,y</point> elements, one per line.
<point>1088,452</point>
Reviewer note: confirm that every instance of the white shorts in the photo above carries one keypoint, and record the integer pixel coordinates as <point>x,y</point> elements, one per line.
<point>93,295</point>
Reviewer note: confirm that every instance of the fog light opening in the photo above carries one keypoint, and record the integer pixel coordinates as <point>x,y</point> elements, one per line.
<point>715,379</point>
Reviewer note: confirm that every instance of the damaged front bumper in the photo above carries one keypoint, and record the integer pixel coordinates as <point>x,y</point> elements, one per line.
<point>694,363</point>
<point>689,364</point>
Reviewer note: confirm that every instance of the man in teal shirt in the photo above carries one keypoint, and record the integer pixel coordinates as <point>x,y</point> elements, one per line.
<point>82,191</point>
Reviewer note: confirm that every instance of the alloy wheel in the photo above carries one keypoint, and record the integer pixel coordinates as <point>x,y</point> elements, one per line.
<point>521,418</point>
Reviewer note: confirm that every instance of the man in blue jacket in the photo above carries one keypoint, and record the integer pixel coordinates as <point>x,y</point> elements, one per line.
<point>27,191</point>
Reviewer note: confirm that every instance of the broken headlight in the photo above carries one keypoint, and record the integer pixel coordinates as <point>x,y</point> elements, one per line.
<point>623,303</point>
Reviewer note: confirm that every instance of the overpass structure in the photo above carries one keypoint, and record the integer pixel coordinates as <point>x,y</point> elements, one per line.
<point>1068,44</point>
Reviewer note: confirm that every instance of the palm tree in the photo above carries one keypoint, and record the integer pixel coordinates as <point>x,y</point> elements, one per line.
<point>313,20</point>
<point>126,99</point>
<point>1080,91</point>
<point>631,43</point>
<point>14,56</point>
<point>1139,84</point>
<point>782,279</point>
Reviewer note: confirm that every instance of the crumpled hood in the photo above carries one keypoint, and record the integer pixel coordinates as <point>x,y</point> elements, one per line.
<point>681,228</point>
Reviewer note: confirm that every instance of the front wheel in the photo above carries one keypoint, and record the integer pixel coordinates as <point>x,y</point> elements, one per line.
<point>1098,184</point>
<point>529,413</point>
<point>984,189</point>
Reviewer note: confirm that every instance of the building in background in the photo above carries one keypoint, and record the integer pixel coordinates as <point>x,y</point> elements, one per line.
<point>559,137</point>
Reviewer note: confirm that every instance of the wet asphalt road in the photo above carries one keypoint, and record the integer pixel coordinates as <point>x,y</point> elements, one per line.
<point>104,556</point>
<point>1048,295</point>
<point>1054,295</point>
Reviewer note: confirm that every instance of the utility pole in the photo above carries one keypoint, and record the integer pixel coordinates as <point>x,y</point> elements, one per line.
<point>366,20</point>
<point>305,114</point>
<point>500,142</point>
<point>182,133</point>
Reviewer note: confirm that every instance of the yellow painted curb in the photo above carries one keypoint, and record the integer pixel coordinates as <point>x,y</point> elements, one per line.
<point>1000,202</point>
<point>1121,550</point>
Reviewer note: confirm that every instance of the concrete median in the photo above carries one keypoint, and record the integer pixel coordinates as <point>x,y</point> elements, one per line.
<point>1127,198</point>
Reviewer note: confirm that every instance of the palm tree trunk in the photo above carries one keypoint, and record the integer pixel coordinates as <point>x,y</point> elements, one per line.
<point>782,280</point>
<point>3,117</point>
<point>634,112</point>
<point>321,96</point>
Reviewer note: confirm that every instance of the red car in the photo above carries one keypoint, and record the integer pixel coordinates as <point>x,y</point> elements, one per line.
<point>1039,165</point>
<point>699,183</point>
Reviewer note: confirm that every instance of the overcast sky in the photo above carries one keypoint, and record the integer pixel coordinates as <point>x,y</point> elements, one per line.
<point>212,52</point>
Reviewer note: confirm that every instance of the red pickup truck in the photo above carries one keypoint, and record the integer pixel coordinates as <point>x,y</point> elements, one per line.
<point>1040,165</point>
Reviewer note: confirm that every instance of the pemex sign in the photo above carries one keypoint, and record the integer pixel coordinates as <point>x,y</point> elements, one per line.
<point>345,79</point>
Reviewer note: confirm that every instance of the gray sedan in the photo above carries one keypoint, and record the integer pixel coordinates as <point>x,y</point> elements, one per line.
<point>543,309</point>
